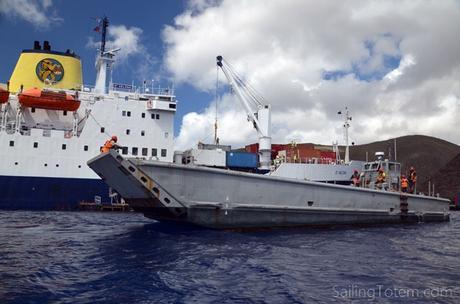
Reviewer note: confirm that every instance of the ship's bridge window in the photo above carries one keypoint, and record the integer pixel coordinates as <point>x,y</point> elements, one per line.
<point>124,150</point>
<point>35,144</point>
<point>64,113</point>
<point>32,110</point>
<point>157,116</point>
<point>145,151</point>
<point>64,146</point>
<point>11,143</point>
<point>366,167</point>
<point>123,113</point>
<point>134,151</point>
<point>153,116</point>
<point>394,167</point>
<point>154,152</point>
<point>142,133</point>
<point>128,113</point>
<point>85,148</point>
<point>163,152</point>
<point>102,129</point>
<point>128,131</point>
<point>143,115</point>
<point>172,105</point>
<point>375,166</point>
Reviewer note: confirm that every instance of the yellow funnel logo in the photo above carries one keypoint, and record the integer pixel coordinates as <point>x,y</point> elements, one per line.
<point>50,70</point>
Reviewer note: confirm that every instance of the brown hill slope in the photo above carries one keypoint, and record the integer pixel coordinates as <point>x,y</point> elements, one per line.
<point>447,180</point>
<point>427,154</point>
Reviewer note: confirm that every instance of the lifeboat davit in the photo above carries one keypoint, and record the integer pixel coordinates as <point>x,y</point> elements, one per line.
<point>4,95</point>
<point>49,100</point>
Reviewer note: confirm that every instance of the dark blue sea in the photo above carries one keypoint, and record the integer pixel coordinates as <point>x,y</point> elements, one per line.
<point>89,257</point>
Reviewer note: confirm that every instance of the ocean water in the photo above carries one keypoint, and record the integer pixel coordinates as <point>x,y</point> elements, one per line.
<point>89,257</point>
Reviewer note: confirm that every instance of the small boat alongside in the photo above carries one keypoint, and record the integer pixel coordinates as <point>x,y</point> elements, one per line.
<point>48,100</point>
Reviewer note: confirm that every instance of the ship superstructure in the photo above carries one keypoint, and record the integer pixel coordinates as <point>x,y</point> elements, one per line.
<point>46,141</point>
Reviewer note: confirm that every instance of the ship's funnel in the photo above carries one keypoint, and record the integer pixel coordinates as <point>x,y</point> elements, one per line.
<point>45,68</point>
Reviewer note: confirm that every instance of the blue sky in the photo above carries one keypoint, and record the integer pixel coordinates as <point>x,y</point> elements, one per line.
<point>74,27</point>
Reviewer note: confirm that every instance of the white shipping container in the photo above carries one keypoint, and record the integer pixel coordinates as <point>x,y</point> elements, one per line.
<point>210,158</point>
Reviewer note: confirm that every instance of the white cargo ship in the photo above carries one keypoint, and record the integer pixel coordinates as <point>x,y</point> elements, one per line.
<point>51,124</point>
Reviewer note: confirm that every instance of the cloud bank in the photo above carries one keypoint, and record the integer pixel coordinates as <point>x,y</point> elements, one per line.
<point>37,13</point>
<point>395,64</point>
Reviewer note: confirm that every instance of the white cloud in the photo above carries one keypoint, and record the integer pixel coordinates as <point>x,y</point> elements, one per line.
<point>36,12</point>
<point>129,40</point>
<point>284,49</point>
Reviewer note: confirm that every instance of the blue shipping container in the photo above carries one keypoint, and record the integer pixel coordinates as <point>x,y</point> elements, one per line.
<point>240,159</point>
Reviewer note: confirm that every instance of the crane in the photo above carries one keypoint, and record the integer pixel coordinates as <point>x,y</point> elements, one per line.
<point>258,111</point>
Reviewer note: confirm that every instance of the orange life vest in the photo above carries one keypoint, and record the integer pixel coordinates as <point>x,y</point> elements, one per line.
<point>107,146</point>
<point>381,177</point>
<point>404,183</point>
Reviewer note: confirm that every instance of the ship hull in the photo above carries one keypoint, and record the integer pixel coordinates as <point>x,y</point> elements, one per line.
<point>47,193</point>
<point>224,199</point>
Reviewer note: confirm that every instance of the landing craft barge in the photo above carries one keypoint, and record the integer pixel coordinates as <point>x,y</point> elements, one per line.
<point>225,199</point>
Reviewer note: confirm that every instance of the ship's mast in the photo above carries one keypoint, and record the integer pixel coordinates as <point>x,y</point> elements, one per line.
<point>346,125</point>
<point>104,61</point>
<point>105,24</point>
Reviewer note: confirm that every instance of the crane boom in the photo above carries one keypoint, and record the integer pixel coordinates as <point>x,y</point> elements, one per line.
<point>258,112</point>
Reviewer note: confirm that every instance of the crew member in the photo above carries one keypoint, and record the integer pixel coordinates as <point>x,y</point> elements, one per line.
<point>110,144</point>
<point>404,183</point>
<point>412,180</point>
<point>355,178</point>
<point>380,179</point>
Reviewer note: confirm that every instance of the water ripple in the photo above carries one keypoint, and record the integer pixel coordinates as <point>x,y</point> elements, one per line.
<point>64,257</point>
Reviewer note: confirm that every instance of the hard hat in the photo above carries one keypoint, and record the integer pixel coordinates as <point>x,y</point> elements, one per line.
<point>114,138</point>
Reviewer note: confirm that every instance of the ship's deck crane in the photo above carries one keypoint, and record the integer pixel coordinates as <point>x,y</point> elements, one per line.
<point>258,112</point>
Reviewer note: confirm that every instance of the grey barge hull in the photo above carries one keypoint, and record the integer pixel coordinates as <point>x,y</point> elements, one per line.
<point>224,199</point>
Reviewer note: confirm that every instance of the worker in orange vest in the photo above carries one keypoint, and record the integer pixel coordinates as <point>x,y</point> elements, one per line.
<point>381,177</point>
<point>110,144</point>
<point>412,180</point>
<point>404,183</point>
<point>355,178</point>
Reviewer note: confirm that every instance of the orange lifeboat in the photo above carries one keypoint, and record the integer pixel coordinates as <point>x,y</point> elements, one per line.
<point>49,100</point>
<point>4,95</point>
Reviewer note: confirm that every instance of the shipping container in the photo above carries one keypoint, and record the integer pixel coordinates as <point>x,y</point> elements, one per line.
<point>241,159</point>
<point>209,158</point>
<point>328,154</point>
